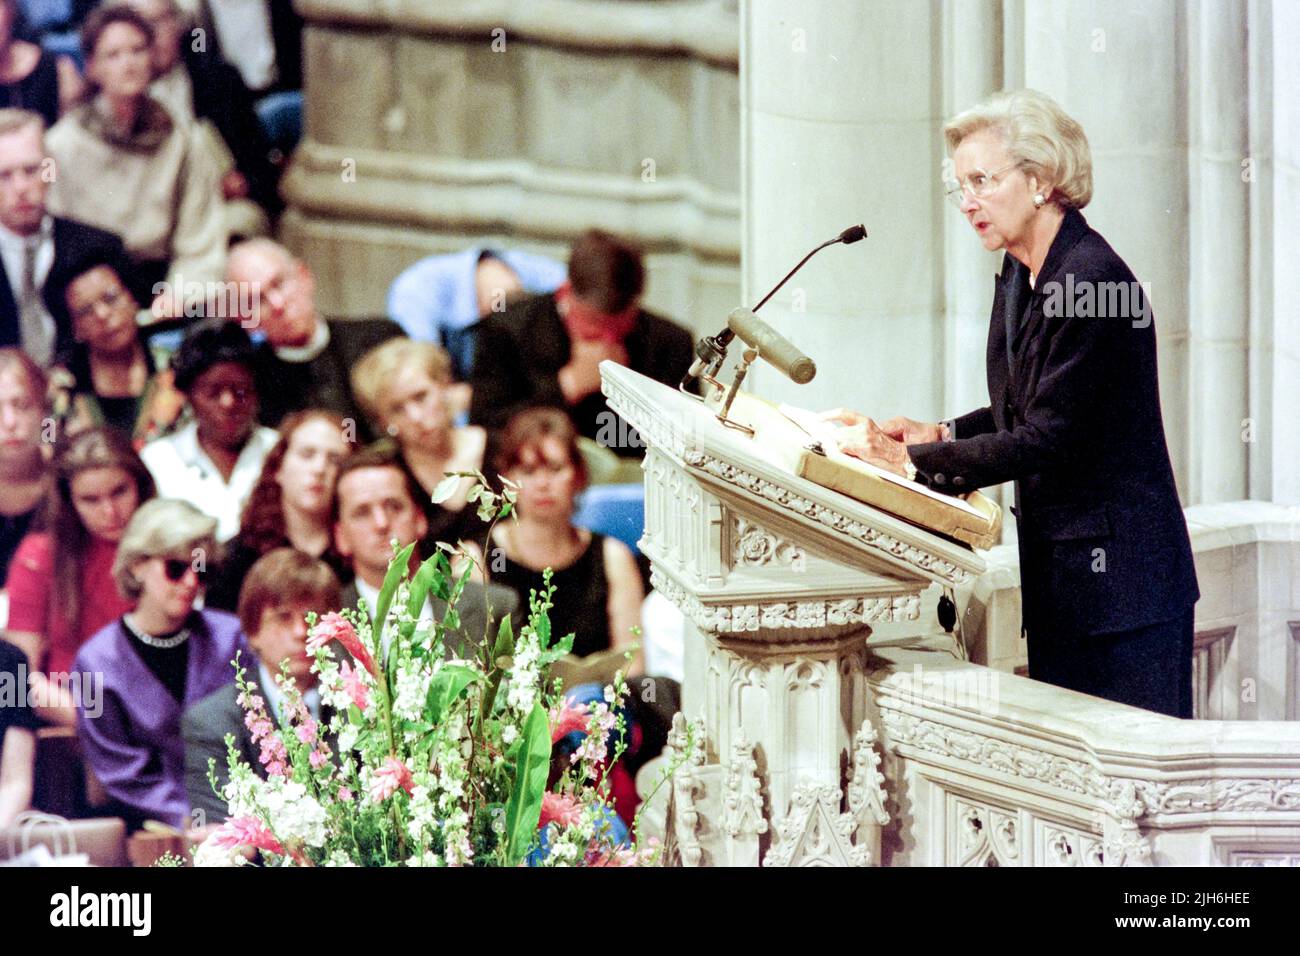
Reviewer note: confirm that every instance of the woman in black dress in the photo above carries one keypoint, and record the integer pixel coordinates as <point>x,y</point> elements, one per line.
<point>32,78</point>
<point>598,589</point>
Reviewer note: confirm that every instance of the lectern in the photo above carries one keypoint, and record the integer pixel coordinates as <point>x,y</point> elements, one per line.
<point>780,581</point>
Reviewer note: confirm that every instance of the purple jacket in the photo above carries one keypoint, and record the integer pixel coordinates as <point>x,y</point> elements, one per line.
<point>134,743</point>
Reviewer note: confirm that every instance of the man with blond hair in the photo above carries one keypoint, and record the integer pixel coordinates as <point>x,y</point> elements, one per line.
<point>40,252</point>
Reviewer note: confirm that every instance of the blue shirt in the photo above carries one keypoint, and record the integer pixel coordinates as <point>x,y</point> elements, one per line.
<point>435,300</point>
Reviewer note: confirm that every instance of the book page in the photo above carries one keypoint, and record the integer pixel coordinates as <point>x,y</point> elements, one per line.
<point>827,433</point>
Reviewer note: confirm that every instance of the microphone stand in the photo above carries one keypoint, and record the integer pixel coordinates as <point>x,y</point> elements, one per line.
<point>711,351</point>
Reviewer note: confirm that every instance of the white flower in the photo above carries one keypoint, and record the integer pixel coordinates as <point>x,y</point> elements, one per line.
<point>509,734</point>
<point>208,854</point>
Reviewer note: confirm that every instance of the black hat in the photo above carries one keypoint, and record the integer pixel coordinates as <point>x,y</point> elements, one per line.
<point>210,342</point>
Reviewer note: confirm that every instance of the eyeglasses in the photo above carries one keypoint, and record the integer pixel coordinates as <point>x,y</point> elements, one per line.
<point>175,569</point>
<point>979,184</point>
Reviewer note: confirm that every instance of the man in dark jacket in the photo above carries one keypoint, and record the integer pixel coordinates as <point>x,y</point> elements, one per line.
<point>304,360</point>
<point>41,252</point>
<point>546,350</point>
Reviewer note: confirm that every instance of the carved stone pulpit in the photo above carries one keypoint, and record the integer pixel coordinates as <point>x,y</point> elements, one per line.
<point>780,581</point>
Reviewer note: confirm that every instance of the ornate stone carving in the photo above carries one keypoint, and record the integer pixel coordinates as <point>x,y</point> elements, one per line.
<point>1124,844</point>
<point>684,817</point>
<point>866,789</point>
<point>1075,776</point>
<point>743,801</point>
<point>755,547</point>
<point>876,539</point>
<point>810,615</point>
<point>986,835</point>
<point>815,833</point>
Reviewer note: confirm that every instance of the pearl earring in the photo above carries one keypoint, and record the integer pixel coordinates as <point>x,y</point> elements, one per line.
<point>1039,200</point>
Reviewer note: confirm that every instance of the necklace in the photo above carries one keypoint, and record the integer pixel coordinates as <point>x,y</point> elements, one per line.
<point>164,643</point>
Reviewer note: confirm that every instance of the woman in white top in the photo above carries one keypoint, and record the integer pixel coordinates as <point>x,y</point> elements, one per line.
<point>125,165</point>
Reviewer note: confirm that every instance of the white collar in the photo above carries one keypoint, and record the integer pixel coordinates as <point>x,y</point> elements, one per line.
<point>307,353</point>
<point>275,696</point>
<point>44,232</point>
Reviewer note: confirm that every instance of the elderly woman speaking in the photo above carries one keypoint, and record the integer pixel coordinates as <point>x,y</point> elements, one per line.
<point>1074,418</point>
<point>155,661</point>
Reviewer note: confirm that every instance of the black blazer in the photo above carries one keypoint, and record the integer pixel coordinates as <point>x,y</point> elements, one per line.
<point>324,382</point>
<point>1074,419</point>
<point>518,355</point>
<point>76,247</point>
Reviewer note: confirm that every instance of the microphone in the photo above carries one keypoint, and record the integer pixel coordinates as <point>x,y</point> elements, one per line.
<point>772,346</point>
<point>712,349</point>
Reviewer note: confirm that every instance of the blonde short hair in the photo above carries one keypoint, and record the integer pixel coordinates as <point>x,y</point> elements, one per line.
<point>163,528</point>
<point>372,376</point>
<point>1040,136</point>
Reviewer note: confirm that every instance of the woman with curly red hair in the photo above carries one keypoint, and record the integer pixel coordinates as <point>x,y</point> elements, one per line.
<point>290,504</point>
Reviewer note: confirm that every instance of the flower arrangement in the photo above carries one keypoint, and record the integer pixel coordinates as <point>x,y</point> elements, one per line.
<point>425,760</point>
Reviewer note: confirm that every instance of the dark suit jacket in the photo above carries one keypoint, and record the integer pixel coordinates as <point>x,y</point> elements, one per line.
<point>204,726</point>
<point>221,97</point>
<point>75,246</point>
<point>284,387</point>
<point>1075,421</point>
<point>472,610</point>
<point>286,34</point>
<point>518,355</point>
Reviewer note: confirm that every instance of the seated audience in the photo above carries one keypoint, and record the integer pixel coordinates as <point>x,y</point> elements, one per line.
<point>32,78</point>
<point>375,499</point>
<point>262,39</point>
<point>439,298</point>
<point>403,386</point>
<point>598,589</point>
<point>215,458</point>
<point>157,659</point>
<point>24,478</point>
<point>282,587</point>
<point>17,737</point>
<point>112,379</point>
<point>36,247</point>
<point>60,584</point>
<point>305,360</point>
<point>546,350</point>
<point>124,162</point>
<point>197,85</point>
<point>290,504</point>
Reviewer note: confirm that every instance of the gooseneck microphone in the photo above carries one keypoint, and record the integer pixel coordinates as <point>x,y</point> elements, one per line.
<point>710,351</point>
<point>773,347</point>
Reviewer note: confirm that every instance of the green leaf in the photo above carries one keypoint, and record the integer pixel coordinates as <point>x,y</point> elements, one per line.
<point>447,685</point>
<point>420,584</point>
<point>446,488</point>
<point>396,568</point>
<point>524,808</point>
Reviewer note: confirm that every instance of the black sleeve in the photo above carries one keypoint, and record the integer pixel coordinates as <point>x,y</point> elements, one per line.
<point>502,383</point>
<point>978,422</point>
<point>1056,423</point>
<point>14,711</point>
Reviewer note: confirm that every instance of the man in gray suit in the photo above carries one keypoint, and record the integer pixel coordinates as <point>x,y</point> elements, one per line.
<point>280,589</point>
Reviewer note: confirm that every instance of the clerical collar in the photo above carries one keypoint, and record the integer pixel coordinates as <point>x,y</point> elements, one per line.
<point>307,353</point>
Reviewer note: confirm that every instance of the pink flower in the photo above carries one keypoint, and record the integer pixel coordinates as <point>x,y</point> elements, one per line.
<point>335,627</point>
<point>318,759</point>
<point>570,717</point>
<point>345,794</point>
<point>247,831</point>
<point>306,730</point>
<point>389,778</point>
<point>355,685</point>
<point>562,808</point>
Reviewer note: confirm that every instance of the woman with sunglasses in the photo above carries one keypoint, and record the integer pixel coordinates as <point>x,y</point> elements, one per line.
<point>60,582</point>
<point>1074,419</point>
<point>155,660</point>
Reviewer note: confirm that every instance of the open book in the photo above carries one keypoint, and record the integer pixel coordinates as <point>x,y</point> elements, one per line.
<point>799,441</point>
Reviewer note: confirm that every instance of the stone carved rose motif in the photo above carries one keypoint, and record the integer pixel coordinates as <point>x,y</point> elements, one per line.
<point>758,548</point>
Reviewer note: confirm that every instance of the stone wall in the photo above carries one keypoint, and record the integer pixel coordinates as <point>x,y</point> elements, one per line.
<point>433,126</point>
